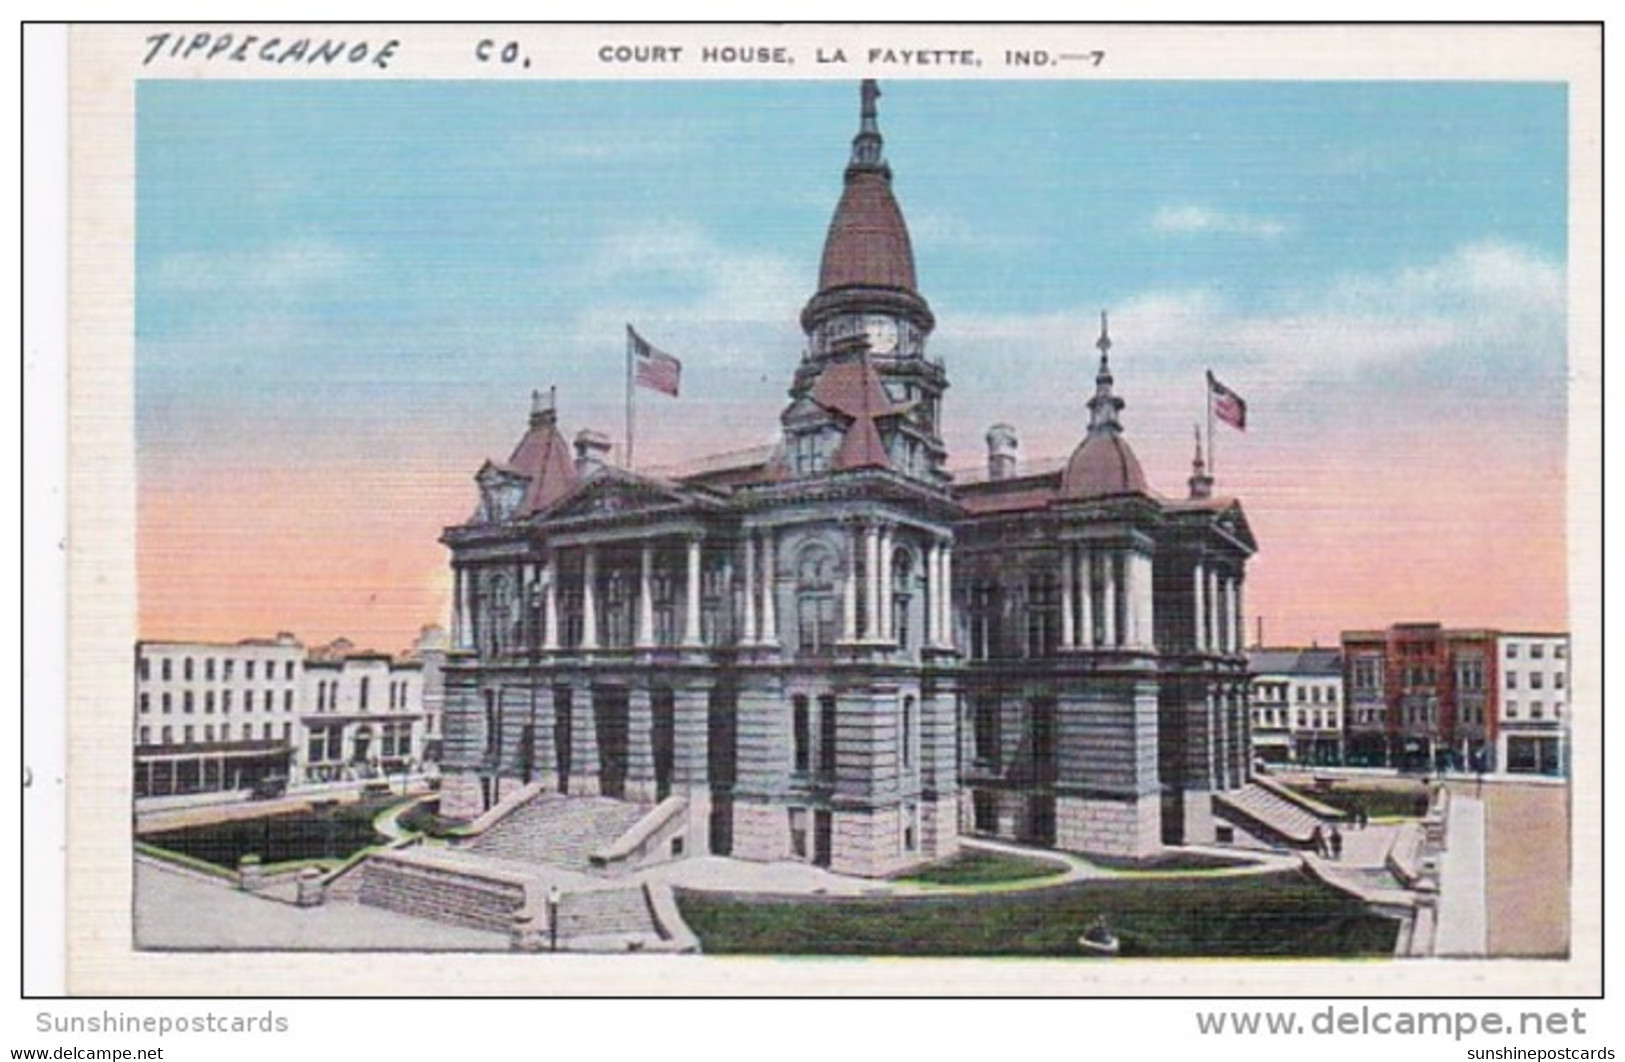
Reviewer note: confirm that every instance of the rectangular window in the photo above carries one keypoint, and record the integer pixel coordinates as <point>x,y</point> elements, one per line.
<point>187,672</point>
<point>208,669</point>
<point>287,670</point>
<point>1558,681</point>
<point>364,684</point>
<point>1512,709</point>
<point>248,670</point>
<point>146,703</point>
<point>167,703</point>
<point>226,668</point>
<point>1512,651</point>
<point>1537,680</point>
<point>225,700</point>
<point>169,735</point>
<point>287,701</point>
<point>1560,651</point>
<point>208,732</point>
<point>1512,680</point>
<point>167,669</point>
<point>1537,710</point>
<point>268,701</point>
<point>1537,652</point>
<point>908,732</point>
<point>186,702</point>
<point>208,702</point>
<point>186,735</point>
<point>985,730</point>
<point>801,727</point>
<point>826,735</point>
<point>143,668</point>
<point>146,735</point>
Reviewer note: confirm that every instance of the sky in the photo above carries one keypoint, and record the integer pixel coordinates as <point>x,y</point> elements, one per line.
<point>347,291</point>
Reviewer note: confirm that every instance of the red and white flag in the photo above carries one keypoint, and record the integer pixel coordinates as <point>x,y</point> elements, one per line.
<point>652,367</point>
<point>1227,405</point>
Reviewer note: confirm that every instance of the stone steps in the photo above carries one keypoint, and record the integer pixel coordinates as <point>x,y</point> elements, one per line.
<point>607,912</point>
<point>558,830</point>
<point>1275,815</point>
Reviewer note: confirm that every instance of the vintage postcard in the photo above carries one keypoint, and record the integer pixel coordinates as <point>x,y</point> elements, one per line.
<point>656,509</point>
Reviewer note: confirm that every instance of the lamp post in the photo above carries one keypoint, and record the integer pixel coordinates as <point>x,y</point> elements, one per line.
<point>553,917</point>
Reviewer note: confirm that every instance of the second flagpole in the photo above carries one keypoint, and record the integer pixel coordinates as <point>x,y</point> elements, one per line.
<point>629,408</point>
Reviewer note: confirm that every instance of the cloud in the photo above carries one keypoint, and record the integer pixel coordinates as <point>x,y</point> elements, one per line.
<point>1188,219</point>
<point>289,268</point>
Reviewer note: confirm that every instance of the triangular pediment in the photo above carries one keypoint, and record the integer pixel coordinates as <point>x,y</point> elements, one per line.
<point>1233,522</point>
<point>615,492</point>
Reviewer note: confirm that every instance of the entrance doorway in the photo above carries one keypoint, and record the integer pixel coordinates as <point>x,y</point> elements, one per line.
<point>823,837</point>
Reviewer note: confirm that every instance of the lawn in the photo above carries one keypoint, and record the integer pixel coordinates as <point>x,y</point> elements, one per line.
<point>334,833</point>
<point>1402,800</point>
<point>1285,914</point>
<point>978,867</point>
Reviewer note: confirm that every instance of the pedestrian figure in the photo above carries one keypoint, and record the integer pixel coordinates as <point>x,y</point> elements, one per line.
<point>1318,839</point>
<point>1337,843</point>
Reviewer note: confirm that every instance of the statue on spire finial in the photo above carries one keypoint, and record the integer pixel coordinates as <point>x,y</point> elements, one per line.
<point>866,146</point>
<point>869,91</point>
<point>1104,343</point>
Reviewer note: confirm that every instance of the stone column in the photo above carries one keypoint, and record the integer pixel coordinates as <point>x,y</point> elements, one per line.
<point>550,602</point>
<point>457,622</point>
<point>948,595</point>
<point>691,602</point>
<point>1131,600</point>
<point>770,580</point>
<point>1086,598</point>
<point>1148,602</point>
<point>640,757</point>
<point>1241,616</point>
<point>1199,613</point>
<point>871,588</point>
<point>1069,577</point>
<point>1108,599</point>
<point>931,594</point>
<point>849,590</point>
<point>646,605</point>
<point>1213,639</point>
<point>748,635</point>
<point>589,599</point>
<point>884,579</point>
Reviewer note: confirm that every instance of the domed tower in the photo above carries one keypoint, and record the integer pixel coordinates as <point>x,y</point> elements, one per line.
<point>865,394</point>
<point>1104,464</point>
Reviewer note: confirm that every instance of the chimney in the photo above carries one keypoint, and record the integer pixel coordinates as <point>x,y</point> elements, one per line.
<point>592,450</point>
<point>1001,451</point>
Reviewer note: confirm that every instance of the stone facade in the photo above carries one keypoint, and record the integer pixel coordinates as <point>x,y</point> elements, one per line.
<point>808,644</point>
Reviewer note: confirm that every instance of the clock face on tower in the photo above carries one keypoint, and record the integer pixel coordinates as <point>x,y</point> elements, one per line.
<point>882,333</point>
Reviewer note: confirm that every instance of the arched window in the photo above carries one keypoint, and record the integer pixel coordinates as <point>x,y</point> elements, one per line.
<point>816,622</point>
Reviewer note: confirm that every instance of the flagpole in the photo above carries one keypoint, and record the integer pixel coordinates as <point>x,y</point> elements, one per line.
<point>1212,457</point>
<point>629,408</point>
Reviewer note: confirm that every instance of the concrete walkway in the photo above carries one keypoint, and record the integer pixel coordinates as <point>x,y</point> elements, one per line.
<point>1463,926</point>
<point>175,909</point>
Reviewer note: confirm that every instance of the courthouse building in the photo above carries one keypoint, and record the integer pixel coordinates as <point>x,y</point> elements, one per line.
<point>833,651</point>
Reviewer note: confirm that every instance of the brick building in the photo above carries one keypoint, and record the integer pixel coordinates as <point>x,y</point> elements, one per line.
<point>1422,696</point>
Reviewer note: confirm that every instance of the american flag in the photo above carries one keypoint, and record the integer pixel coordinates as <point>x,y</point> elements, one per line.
<point>1227,405</point>
<point>652,367</point>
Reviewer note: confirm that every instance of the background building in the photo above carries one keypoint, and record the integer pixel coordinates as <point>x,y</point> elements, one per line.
<point>222,716</point>
<point>1297,705</point>
<point>1533,716</point>
<point>1423,696</point>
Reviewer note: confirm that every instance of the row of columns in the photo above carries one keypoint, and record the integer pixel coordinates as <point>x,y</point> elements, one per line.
<point>1079,629</point>
<point>1221,624</point>
<point>875,543</point>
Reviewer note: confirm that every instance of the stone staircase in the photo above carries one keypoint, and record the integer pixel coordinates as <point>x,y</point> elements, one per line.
<point>560,831</point>
<point>1268,814</point>
<point>606,915</point>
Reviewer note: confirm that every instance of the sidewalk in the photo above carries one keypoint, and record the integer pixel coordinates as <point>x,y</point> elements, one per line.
<point>1463,926</point>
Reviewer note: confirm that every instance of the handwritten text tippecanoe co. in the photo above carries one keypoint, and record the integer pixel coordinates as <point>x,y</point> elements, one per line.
<point>276,51</point>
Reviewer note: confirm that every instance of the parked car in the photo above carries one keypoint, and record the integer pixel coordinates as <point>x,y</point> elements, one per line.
<point>270,787</point>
